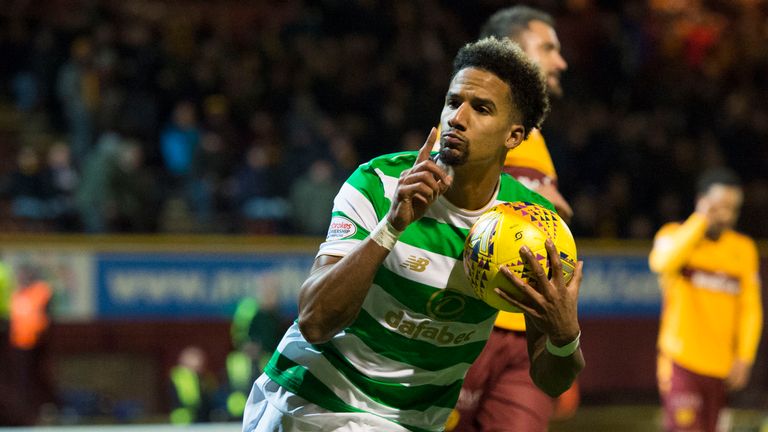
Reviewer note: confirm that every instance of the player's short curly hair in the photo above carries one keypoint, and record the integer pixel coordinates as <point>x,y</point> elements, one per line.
<point>507,61</point>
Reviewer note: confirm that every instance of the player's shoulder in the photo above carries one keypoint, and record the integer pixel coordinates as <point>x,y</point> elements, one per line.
<point>670,226</point>
<point>512,190</point>
<point>741,240</point>
<point>391,164</point>
<point>667,229</point>
<point>741,248</point>
<point>536,137</point>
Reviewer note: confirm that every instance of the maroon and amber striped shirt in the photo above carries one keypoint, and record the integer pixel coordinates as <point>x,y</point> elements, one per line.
<point>711,313</point>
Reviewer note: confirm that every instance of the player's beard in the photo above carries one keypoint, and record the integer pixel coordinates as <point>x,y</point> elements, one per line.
<point>454,155</point>
<point>555,89</point>
<point>715,231</point>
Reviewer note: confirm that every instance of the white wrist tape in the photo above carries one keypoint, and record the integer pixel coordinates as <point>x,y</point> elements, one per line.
<point>385,235</point>
<point>565,350</point>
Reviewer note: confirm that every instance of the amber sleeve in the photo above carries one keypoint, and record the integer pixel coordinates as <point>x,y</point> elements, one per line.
<point>675,243</point>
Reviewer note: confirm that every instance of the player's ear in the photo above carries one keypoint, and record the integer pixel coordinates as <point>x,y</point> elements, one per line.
<point>515,137</point>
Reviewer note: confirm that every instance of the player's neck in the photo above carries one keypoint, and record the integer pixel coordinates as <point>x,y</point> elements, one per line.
<point>472,191</point>
<point>714,234</point>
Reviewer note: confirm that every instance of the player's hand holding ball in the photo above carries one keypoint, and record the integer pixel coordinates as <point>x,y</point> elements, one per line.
<point>521,257</point>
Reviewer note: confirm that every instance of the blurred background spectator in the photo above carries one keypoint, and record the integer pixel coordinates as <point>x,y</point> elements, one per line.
<point>192,387</point>
<point>236,109</point>
<point>13,411</point>
<point>257,327</point>
<point>29,324</point>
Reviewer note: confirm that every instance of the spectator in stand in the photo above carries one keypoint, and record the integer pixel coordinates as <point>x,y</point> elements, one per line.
<point>93,193</point>
<point>178,144</point>
<point>257,190</point>
<point>133,191</point>
<point>29,188</point>
<point>64,179</point>
<point>211,174</point>
<point>78,92</point>
<point>217,118</point>
<point>312,195</point>
<point>642,74</point>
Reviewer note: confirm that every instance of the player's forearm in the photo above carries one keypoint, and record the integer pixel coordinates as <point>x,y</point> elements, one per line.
<point>331,298</point>
<point>554,374</point>
<point>672,250</point>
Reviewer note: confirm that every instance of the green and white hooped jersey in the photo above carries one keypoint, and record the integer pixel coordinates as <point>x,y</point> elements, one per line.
<point>405,356</point>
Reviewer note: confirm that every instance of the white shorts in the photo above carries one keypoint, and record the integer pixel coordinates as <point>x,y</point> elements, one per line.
<point>271,408</point>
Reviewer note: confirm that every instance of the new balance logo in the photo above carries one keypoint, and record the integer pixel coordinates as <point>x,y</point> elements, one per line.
<point>415,263</point>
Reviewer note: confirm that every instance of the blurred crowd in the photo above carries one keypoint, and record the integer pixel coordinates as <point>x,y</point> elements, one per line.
<point>246,116</point>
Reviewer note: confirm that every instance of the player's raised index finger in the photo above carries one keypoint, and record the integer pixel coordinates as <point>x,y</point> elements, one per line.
<point>427,147</point>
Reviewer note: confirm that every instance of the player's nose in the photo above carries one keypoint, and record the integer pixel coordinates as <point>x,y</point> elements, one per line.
<point>560,62</point>
<point>458,119</point>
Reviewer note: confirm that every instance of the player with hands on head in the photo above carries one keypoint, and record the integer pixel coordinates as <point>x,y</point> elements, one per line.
<point>711,317</point>
<point>386,331</point>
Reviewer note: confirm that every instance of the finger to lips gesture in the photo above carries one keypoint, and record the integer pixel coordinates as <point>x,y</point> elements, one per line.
<point>418,187</point>
<point>550,303</point>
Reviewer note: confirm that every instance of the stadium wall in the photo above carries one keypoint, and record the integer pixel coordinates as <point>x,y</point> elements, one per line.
<point>126,306</point>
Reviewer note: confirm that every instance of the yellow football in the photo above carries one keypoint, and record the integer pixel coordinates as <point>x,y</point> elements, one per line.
<point>495,241</point>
